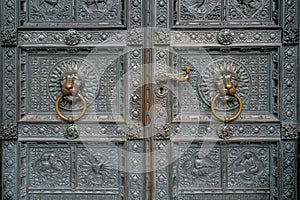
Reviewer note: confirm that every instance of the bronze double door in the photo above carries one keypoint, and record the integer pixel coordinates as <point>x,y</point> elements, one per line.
<point>133,82</point>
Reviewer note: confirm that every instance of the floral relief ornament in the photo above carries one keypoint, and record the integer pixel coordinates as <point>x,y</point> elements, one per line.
<point>9,37</point>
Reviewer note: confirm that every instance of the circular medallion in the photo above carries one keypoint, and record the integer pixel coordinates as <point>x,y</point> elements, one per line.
<point>225,37</point>
<point>72,37</point>
<point>211,78</point>
<point>89,85</point>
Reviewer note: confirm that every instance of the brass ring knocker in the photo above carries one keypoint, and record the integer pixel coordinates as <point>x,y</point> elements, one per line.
<point>227,119</point>
<point>71,119</point>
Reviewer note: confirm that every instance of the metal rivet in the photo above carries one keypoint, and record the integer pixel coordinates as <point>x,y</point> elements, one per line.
<point>288,147</point>
<point>135,98</point>
<point>161,3</point>
<point>135,83</point>
<point>41,37</point>
<point>272,129</point>
<point>10,20</point>
<point>272,36</point>
<point>9,98</point>
<point>136,3</point>
<point>9,68</point>
<point>289,53</point>
<point>289,68</point>
<point>136,18</point>
<point>9,83</point>
<point>161,162</point>
<point>56,129</point>
<point>289,83</point>
<point>289,114</point>
<point>288,178</point>
<point>10,113</point>
<point>242,36</point>
<point>136,53</point>
<point>193,37</point>
<point>257,36</point>
<point>135,178</point>
<point>135,113</point>
<point>161,18</point>
<point>10,162</point>
<point>161,178</point>
<point>290,18</point>
<point>25,130</point>
<point>10,193</point>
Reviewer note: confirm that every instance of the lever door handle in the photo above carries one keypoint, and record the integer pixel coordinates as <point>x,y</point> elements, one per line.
<point>181,77</point>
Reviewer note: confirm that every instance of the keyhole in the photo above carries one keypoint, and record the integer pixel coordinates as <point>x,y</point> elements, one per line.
<point>161,90</point>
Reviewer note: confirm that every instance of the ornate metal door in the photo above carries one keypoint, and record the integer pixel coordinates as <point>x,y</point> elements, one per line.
<point>180,99</point>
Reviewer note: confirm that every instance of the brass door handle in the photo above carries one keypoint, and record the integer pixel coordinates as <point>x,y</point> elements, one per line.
<point>225,118</point>
<point>71,119</point>
<point>181,77</point>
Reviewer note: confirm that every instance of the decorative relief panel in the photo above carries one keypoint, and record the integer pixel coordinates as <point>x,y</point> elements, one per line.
<point>102,71</point>
<point>289,83</point>
<point>59,37</point>
<point>199,168</point>
<point>162,184</point>
<point>244,130</point>
<point>9,171</point>
<point>99,167</point>
<point>208,167</point>
<point>216,13</point>
<point>289,170</point>
<point>56,168</point>
<point>135,168</point>
<point>86,130</point>
<point>73,196</point>
<point>192,12</point>
<point>48,168</point>
<point>9,73</point>
<point>239,37</point>
<point>253,69</point>
<point>248,167</point>
<point>102,13</point>
<point>254,10</point>
<point>49,11</point>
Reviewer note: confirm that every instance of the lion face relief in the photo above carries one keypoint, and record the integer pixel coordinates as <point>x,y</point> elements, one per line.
<point>71,83</point>
<point>226,83</point>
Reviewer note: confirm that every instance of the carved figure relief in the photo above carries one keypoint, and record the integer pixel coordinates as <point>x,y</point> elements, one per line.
<point>84,76</point>
<point>200,9</point>
<point>99,9</point>
<point>199,169</point>
<point>248,7</point>
<point>49,10</point>
<point>49,169</point>
<point>212,80</point>
<point>247,169</point>
<point>96,169</point>
<point>96,5</point>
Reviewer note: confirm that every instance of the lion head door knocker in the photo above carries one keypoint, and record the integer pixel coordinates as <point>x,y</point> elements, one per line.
<point>73,84</point>
<point>224,85</point>
<point>70,83</point>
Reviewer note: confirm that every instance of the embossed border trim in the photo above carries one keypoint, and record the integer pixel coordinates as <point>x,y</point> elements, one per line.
<point>240,38</point>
